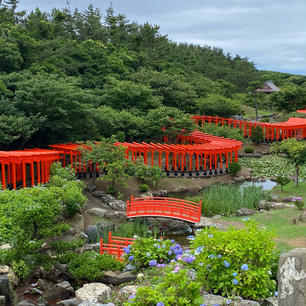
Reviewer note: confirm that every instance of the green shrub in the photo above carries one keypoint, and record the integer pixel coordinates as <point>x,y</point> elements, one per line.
<point>223,131</point>
<point>90,265</point>
<point>234,168</point>
<point>173,289</point>
<point>248,150</point>
<point>61,246</point>
<point>142,172</point>
<point>64,173</point>
<point>143,187</point>
<point>146,252</point>
<point>282,181</point>
<point>237,261</point>
<point>257,134</point>
<point>226,200</point>
<point>265,120</point>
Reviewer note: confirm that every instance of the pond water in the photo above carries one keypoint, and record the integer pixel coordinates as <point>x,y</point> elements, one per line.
<point>266,185</point>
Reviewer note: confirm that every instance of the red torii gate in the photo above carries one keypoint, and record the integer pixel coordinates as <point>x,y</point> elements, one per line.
<point>208,150</point>
<point>14,166</point>
<point>294,127</point>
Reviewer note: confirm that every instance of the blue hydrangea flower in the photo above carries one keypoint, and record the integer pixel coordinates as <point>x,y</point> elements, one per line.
<point>170,253</point>
<point>131,258</point>
<point>226,264</point>
<point>199,249</point>
<point>152,263</point>
<point>234,274</point>
<point>276,293</point>
<point>246,219</point>
<point>244,267</point>
<point>228,302</point>
<point>219,256</point>
<point>209,236</point>
<point>129,246</point>
<point>211,256</point>
<point>160,304</point>
<point>126,250</point>
<point>208,266</point>
<point>235,282</point>
<point>172,241</point>
<point>148,254</point>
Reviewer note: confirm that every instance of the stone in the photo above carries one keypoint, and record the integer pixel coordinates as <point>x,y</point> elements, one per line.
<point>6,270</point>
<point>281,205</point>
<point>54,275</point>
<point>128,290</point>
<point>264,204</point>
<point>271,301</point>
<point>130,267</point>
<point>274,198</point>
<point>244,211</point>
<point>99,212</point>
<point>25,303</point>
<point>146,195</point>
<point>216,217</point>
<point>68,302</point>
<point>208,222</point>
<point>93,292</point>
<point>2,300</point>
<point>44,284</point>
<point>90,188</point>
<point>112,202</point>
<point>95,304</point>
<point>89,247</point>
<point>292,278</point>
<point>288,198</point>
<point>98,193</point>
<point>5,288</point>
<point>211,299</point>
<point>33,291</point>
<point>60,291</point>
<point>116,216</point>
<point>77,224</point>
<point>116,279</point>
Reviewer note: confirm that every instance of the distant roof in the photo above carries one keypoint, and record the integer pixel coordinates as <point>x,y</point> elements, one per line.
<point>268,87</point>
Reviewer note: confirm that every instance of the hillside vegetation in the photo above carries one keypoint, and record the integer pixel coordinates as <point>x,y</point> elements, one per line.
<point>67,76</point>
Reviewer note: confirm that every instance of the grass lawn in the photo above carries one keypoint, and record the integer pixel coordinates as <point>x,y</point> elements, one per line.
<point>288,235</point>
<point>291,190</point>
<point>250,111</point>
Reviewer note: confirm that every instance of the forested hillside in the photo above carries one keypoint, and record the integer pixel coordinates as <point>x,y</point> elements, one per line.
<point>68,76</point>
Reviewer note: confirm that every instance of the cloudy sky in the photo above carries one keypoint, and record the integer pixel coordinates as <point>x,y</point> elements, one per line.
<point>271,33</point>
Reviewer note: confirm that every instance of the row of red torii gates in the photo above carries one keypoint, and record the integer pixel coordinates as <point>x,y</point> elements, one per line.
<point>193,152</point>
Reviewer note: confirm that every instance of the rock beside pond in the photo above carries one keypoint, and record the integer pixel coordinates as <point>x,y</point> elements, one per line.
<point>69,302</point>
<point>271,301</point>
<point>244,211</point>
<point>281,205</point>
<point>99,212</point>
<point>275,198</point>
<point>93,292</point>
<point>264,204</point>
<point>208,222</point>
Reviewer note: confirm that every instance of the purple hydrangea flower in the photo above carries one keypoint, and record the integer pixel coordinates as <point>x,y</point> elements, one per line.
<point>172,241</point>
<point>244,267</point>
<point>160,304</point>
<point>131,258</point>
<point>170,253</point>
<point>132,296</point>
<point>177,268</point>
<point>161,265</point>
<point>226,264</point>
<point>209,236</point>
<point>152,263</point>
<point>126,250</point>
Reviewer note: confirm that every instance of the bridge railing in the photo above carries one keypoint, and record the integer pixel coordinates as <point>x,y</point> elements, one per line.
<point>115,245</point>
<point>164,207</point>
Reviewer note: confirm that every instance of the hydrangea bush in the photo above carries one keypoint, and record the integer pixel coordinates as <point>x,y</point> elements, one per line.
<point>150,252</point>
<point>236,262</point>
<point>175,288</point>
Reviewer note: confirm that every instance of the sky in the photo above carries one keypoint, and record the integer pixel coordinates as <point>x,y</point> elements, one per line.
<point>270,33</point>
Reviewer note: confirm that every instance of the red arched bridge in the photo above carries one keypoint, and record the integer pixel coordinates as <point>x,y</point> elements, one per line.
<point>164,207</point>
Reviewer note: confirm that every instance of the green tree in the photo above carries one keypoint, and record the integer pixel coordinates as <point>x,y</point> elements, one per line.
<point>295,152</point>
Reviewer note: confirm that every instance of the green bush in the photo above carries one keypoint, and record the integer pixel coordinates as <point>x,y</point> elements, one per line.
<point>248,150</point>
<point>146,252</point>
<point>257,134</point>
<point>175,288</point>
<point>141,171</point>
<point>282,181</point>
<point>224,131</point>
<point>226,200</point>
<point>235,262</point>
<point>234,168</point>
<point>66,173</point>
<point>143,187</point>
<point>90,265</point>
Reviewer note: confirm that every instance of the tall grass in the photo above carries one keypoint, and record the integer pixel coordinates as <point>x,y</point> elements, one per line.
<point>226,200</point>
<point>139,228</point>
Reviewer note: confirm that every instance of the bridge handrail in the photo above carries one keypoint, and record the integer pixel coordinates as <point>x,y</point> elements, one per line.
<point>164,207</point>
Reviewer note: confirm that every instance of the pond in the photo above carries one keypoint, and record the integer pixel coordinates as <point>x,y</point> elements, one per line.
<point>266,184</point>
